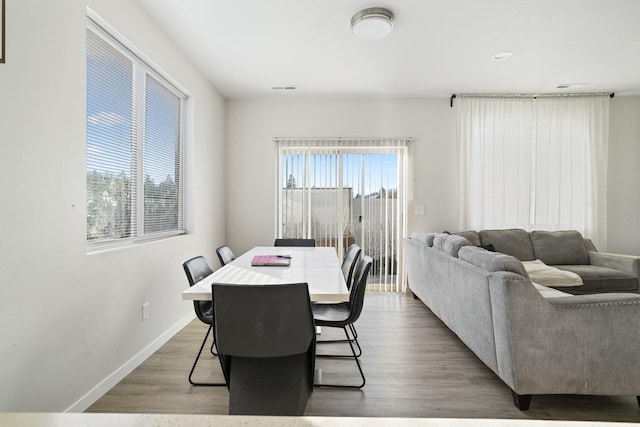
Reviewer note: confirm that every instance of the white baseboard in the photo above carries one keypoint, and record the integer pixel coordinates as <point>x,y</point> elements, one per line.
<point>108,383</point>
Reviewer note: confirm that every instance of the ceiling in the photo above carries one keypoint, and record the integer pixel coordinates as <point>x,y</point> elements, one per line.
<point>437,47</point>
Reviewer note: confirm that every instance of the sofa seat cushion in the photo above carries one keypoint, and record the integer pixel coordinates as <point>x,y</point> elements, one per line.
<point>548,275</point>
<point>597,279</point>
<point>559,247</point>
<point>491,261</point>
<point>515,242</point>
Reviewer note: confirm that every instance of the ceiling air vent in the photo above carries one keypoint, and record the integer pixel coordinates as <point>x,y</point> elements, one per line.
<point>285,88</point>
<point>568,85</point>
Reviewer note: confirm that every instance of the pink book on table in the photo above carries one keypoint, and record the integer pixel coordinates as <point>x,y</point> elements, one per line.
<point>271,260</point>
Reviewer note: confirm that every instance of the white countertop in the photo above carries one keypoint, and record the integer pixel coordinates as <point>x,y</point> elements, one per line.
<point>137,420</point>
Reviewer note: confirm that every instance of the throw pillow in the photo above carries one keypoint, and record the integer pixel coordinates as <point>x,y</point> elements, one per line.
<point>453,243</point>
<point>439,240</point>
<point>426,238</point>
<point>470,235</point>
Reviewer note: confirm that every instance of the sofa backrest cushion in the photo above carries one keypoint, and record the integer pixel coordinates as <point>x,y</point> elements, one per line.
<point>515,242</point>
<point>491,261</point>
<point>559,247</point>
<point>426,238</point>
<point>450,243</point>
<point>438,241</point>
<point>471,235</point>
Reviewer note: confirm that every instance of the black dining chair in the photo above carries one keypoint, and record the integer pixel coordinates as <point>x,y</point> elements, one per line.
<point>225,255</point>
<point>295,242</point>
<point>197,269</point>
<point>343,314</point>
<point>266,345</point>
<point>349,262</point>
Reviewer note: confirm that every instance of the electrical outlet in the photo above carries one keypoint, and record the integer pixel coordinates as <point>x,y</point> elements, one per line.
<point>145,311</point>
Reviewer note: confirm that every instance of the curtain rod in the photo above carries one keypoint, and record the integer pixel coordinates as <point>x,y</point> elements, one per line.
<point>340,138</point>
<point>529,95</point>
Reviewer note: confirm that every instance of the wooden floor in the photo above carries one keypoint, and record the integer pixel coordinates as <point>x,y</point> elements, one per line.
<point>414,365</point>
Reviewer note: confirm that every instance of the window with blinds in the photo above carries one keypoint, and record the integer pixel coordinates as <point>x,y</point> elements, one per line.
<point>135,120</point>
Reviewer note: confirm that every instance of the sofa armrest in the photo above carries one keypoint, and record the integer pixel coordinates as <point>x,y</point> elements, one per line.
<point>626,263</point>
<point>583,344</point>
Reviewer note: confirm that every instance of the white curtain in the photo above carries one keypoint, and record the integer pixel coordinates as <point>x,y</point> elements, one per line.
<point>534,163</point>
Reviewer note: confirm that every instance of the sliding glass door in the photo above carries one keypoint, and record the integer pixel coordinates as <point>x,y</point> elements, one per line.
<point>341,192</point>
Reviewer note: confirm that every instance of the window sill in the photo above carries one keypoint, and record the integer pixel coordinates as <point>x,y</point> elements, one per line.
<point>113,245</point>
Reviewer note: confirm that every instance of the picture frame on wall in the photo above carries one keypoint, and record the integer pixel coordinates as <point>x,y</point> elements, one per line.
<point>2,32</point>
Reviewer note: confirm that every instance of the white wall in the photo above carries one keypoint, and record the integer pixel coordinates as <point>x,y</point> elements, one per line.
<point>252,125</point>
<point>623,215</point>
<point>68,320</point>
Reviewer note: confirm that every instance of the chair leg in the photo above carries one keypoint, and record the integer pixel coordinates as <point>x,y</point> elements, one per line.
<point>355,357</point>
<point>349,339</point>
<point>353,331</point>
<point>193,368</point>
<point>355,337</point>
<point>213,345</point>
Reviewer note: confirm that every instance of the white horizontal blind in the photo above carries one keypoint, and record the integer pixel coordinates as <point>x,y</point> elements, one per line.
<point>110,128</point>
<point>162,158</point>
<point>340,191</point>
<point>135,143</point>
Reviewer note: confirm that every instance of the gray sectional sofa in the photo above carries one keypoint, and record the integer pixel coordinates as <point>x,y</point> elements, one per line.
<point>566,250</point>
<point>537,339</point>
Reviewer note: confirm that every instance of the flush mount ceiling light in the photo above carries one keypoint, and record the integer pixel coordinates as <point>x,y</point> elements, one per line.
<point>500,56</point>
<point>372,23</point>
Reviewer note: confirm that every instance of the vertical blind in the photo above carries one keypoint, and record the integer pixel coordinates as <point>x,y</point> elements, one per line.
<point>135,144</point>
<point>534,163</point>
<point>340,191</point>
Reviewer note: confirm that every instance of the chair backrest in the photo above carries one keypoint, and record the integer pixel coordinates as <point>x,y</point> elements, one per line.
<point>197,269</point>
<point>262,320</point>
<point>349,263</point>
<point>225,255</point>
<point>295,242</point>
<point>356,295</point>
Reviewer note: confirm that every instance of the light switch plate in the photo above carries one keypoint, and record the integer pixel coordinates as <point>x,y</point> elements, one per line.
<point>145,311</point>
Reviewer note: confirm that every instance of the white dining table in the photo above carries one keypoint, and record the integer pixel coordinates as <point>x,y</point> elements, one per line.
<point>319,267</point>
